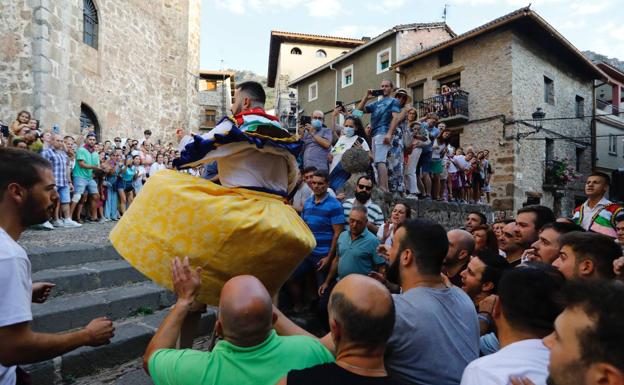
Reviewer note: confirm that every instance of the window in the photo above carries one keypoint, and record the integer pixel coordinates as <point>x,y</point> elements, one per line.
<point>295,51</point>
<point>90,23</point>
<point>418,94</point>
<point>580,107</point>
<point>347,76</point>
<point>313,91</point>
<point>549,90</point>
<point>207,85</point>
<point>579,158</point>
<point>612,144</point>
<point>445,57</point>
<point>383,60</point>
<point>550,150</point>
<point>321,53</point>
<point>210,118</point>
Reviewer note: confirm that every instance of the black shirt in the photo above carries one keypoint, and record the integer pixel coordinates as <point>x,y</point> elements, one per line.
<point>332,374</point>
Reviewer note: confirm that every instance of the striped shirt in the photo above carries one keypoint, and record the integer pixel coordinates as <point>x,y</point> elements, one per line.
<point>320,217</point>
<point>375,215</point>
<point>59,162</point>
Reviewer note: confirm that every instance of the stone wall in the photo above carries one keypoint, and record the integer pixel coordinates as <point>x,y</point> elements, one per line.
<point>142,75</point>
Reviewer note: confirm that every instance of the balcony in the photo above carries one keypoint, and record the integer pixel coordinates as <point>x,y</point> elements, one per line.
<point>451,108</point>
<point>606,108</point>
<point>558,174</point>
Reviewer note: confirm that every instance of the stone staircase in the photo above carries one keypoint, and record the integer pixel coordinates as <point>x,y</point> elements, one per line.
<point>93,281</point>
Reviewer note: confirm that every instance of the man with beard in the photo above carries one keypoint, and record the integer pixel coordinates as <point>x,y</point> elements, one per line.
<point>586,345</point>
<point>529,221</point>
<point>587,255</point>
<point>546,248</point>
<point>28,196</point>
<point>474,219</point>
<point>509,244</point>
<point>363,190</point>
<point>523,314</point>
<point>436,333</point>
<point>461,247</point>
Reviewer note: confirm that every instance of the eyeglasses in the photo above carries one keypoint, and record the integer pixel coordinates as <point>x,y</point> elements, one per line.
<point>363,187</point>
<point>117,140</point>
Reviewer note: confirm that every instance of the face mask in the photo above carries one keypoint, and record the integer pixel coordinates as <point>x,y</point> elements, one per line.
<point>317,123</point>
<point>349,131</point>
<point>362,196</point>
<point>357,113</point>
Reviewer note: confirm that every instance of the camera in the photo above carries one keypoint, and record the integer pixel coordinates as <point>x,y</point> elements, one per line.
<point>305,120</point>
<point>340,106</point>
<point>377,92</point>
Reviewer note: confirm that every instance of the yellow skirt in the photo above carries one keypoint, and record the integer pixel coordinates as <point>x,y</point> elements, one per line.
<point>226,231</point>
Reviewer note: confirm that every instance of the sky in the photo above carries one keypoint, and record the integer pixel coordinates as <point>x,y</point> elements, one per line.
<point>235,33</point>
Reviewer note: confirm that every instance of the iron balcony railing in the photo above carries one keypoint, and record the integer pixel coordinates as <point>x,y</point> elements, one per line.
<point>449,106</point>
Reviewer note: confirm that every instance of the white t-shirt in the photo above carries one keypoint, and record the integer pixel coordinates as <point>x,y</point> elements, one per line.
<point>15,291</point>
<point>460,160</point>
<point>343,144</point>
<point>527,358</point>
<point>155,167</point>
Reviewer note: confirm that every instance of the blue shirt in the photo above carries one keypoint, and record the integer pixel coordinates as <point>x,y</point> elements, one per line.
<point>320,217</point>
<point>381,114</point>
<point>357,256</point>
<point>59,162</point>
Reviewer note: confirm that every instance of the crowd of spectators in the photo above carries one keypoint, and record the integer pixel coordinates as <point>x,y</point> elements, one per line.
<point>532,299</point>
<point>405,155</point>
<point>96,180</point>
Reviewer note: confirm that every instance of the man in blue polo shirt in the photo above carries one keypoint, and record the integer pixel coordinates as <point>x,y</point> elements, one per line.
<point>357,251</point>
<point>323,214</point>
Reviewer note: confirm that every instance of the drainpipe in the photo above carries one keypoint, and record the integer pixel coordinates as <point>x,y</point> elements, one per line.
<point>38,58</point>
<point>331,67</point>
<point>593,129</point>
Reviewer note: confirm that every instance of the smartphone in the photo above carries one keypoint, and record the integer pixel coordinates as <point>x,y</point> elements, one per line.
<point>340,105</point>
<point>359,140</point>
<point>377,92</point>
<point>305,120</point>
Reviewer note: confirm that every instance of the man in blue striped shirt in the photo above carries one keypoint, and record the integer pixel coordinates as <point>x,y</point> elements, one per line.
<point>324,215</point>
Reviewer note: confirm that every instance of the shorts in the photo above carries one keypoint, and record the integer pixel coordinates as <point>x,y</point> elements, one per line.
<point>124,185</point>
<point>63,192</point>
<point>456,180</point>
<point>424,163</point>
<point>436,166</point>
<point>81,185</point>
<point>380,150</point>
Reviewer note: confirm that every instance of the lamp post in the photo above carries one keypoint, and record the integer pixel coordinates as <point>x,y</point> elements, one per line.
<point>538,118</point>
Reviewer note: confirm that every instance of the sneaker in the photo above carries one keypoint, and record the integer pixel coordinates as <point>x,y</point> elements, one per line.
<point>46,226</point>
<point>69,223</point>
<point>57,223</point>
<point>102,220</point>
<point>411,196</point>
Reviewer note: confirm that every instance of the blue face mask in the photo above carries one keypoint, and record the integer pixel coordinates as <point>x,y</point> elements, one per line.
<point>317,123</point>
<point>349,131</point>
<point>357,113</point>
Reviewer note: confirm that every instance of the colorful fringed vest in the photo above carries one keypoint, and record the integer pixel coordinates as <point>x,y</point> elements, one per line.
<point>603,221</point>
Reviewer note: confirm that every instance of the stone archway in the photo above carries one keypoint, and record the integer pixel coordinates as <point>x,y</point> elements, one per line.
<point>88,118</point>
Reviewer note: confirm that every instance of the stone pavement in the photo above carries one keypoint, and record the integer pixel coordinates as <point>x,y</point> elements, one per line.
<point>89,234</point>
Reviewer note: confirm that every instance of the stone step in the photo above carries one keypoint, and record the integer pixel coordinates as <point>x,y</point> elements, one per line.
<point>73,311</point>
<point>131,338</point>
<point>50,258</point>
<point>89,276</point>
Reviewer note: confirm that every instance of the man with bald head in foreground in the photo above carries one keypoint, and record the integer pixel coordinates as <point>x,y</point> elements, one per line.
<point>250,353</point>
<point>361,319</point>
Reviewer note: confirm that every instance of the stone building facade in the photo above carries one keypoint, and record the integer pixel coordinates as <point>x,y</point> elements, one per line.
<point>510,67</point>
<point>140,72</point>
<point>216,90</point>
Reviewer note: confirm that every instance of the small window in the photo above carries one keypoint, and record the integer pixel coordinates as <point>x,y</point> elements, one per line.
<point>210,118</point>
<point>550,150</point>
<point>580,107</point>
<point>347,76</point>
<point>321,53</point>
<point>207,85</point>
<point>579,158</point>
<point>612,144</point>
<point>445,57</point>
<point>295,51</point>
<point>549,90</point>
<point>313,91</point>
<point>383,60</point>
<point>89,23</point>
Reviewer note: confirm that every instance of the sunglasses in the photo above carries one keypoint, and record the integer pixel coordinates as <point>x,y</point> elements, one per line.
<point>367,188</point>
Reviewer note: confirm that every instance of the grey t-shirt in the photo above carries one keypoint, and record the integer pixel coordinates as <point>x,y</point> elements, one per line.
<point>313,153</point>
<point>435,336</point>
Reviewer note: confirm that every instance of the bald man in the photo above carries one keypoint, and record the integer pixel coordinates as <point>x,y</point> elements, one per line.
<point>250,353</point>
<point>361,319</point>
<point>461,247</point>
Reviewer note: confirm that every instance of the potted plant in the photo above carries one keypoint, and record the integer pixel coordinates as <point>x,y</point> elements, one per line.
<point>558,173</point>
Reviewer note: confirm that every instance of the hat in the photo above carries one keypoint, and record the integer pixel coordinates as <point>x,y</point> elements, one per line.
<point>91,134</point>
<point>402,91</point>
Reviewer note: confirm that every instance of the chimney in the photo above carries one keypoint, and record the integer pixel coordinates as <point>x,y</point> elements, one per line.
<point>366,38</point>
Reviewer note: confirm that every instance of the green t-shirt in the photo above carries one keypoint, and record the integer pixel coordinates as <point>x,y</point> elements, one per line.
<point>229,364</point>
<point>90,158</point>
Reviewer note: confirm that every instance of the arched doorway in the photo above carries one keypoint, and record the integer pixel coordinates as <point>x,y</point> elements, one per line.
<point>88,118</point>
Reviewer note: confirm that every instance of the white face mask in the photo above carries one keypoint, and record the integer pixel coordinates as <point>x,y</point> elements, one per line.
<point>349,131</point>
